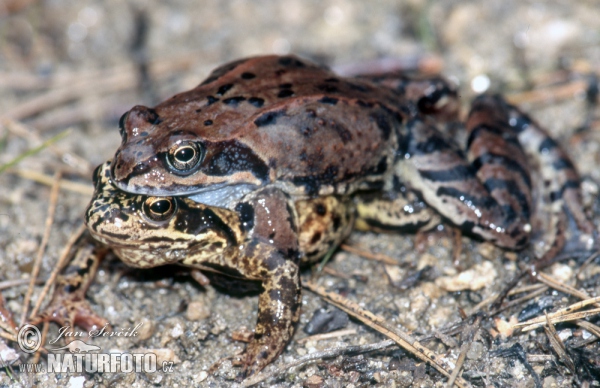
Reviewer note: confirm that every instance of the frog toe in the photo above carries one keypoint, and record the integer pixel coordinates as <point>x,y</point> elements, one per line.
<point>71,313</point>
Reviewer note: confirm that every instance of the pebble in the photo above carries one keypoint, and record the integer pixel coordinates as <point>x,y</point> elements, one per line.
<point>475,278</point>
<point>197,311</point>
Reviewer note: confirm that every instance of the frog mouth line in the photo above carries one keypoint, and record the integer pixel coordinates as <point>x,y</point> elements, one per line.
<point>223,196</point>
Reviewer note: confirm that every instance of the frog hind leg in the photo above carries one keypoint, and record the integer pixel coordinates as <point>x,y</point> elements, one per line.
<point>486,193</point>
<point>323,223</point>
<point>561,181</point>
<point>68,306</point>
<point>398,209</point>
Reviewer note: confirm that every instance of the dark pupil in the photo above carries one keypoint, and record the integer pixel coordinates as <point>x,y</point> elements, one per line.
<point>160,207</point>
<point>185,154</point>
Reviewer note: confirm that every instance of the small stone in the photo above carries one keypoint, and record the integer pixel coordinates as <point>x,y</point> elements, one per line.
<point>197,311</point>
<point>163,355</point>
<point>475,351</point>
<point>200,377</point>
<point>314,381</point>
<point>505,328</point>
<point>76,382</point>
<point>146,330</point>
<point>565,334</point>
<point>562,272</point>
<point>475,278</point>
<point>550,382</point>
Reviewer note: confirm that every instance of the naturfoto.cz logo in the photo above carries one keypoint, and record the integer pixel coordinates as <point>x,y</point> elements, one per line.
<point>78,356</point>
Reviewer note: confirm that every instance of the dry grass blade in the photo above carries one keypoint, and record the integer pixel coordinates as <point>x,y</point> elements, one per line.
<point>585,264</point>
<point>6,319</point>
<point>103,83</point>
<point>33,151</point>
<point>42,248</point>
<point>467,336</point>
<point>558,345</point>
<point>9,337</point>
<point>379,324</point>
<point>566,318</point>
<point>16,282</point>
<point>551,282</point>
<point>324,336</point>
<point>57,269</point>
<point>595,330</point>
<point>31,133</point>
<point>458,367</point>
<point>554,93</point>
<point>327,353</point>
<point>368,255</point>
<point>493,297</point>
<point>80,188</point>
<point>566,311</point>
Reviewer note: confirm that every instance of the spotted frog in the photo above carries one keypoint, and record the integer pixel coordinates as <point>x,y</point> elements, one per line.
<point>285,123</point>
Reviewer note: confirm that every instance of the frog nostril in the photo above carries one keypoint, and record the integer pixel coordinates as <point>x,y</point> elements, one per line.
<point>140,168</point>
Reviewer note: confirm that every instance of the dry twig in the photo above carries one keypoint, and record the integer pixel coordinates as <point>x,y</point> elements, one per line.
<point>379,324</point>
<point>42,248</point>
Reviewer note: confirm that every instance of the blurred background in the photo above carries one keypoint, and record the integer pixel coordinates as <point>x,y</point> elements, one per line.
<point>78,66</point>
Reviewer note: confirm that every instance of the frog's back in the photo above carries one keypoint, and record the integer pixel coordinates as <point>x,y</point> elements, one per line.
<point>265,120</point>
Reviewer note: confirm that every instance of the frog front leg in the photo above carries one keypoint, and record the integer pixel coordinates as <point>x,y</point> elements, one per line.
<point>267,252</point>
<point>273,257</point>
<point>68,306</point>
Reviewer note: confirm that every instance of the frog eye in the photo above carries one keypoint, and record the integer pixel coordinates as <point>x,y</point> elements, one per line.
<point>159,209</point>
<point>185,156</point>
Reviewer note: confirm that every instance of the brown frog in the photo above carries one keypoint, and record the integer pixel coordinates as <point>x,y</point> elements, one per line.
<point>285,123</point>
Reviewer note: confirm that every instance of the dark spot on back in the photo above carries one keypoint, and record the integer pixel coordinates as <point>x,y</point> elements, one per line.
<point>327,88</point>
<point>208,122</point>
<point>342,131</point>
<point>268,118</point>
<point>219,71</point>
<point>233,100</point>
<point>383,124</point>
<point>223,89</point>
<point>290,62</point>
<point>285,93</point>
<point>257,102</point>
<point>211,100</point>
<point>248,75</point>
<point>228,157</point>
<point>364,104</point>
<point>328,100</point>
<point>360,88</point>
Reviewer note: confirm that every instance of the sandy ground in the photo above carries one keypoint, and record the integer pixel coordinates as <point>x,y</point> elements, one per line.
<point>65,66</point>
